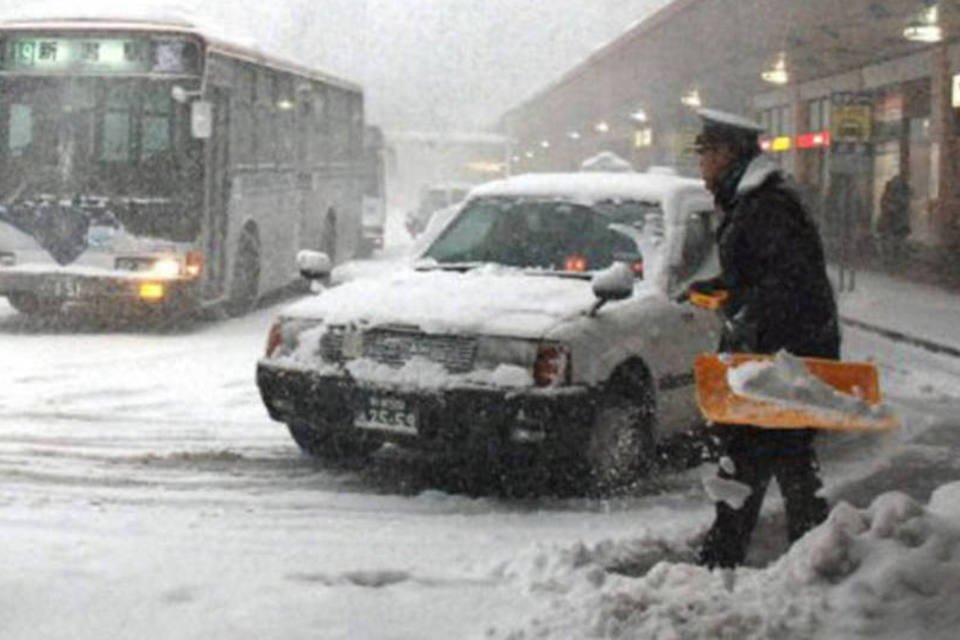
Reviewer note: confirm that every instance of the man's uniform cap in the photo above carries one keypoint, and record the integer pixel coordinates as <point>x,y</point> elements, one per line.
<point>721,127</point>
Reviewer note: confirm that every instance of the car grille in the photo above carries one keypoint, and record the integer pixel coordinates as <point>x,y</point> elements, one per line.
<point>397,347</point>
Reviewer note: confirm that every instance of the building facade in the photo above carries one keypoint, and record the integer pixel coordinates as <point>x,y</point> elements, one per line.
<point>848,101</point>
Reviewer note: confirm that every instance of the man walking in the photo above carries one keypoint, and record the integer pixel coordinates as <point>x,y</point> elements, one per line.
<point>772,266</point>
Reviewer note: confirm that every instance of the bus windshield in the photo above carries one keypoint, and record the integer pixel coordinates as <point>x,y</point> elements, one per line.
<point>122,141</point>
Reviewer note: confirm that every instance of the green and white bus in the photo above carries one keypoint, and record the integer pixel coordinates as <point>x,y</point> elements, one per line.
<point>151,165</point>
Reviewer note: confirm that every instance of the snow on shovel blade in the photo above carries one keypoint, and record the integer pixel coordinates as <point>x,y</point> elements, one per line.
<point>787,392</point>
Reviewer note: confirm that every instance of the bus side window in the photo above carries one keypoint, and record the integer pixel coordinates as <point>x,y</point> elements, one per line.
<point>243,132</point>
<point>266,115</point>
<point>321,132</point>
<point>21,129</point>
<point>284,104</point>
<point>339,120</point>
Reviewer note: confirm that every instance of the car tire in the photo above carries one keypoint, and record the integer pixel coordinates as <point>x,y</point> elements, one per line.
<point>32,305</point>
<point>333,444</point>
<point>621,446</point>
<point>245,283</point>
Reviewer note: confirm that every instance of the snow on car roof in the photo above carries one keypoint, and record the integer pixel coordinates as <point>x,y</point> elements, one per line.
<point>593,187</point>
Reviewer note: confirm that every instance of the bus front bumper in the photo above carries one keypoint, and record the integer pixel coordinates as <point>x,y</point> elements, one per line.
<point>80,288</point>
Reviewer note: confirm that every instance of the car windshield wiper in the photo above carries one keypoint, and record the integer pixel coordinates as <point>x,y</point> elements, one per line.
<point>429,265</point>
<point>463,267</point>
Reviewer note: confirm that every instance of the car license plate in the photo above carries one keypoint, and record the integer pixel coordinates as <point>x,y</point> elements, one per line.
<point>386,413</point>
<point>61,287</point>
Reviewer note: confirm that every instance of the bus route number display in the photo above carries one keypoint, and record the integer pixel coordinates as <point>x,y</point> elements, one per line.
<point>97,55</point>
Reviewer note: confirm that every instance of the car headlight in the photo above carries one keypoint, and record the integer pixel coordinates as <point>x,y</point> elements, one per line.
<point>548,361</point>
<point>492,352</point>
<point>552,367</point>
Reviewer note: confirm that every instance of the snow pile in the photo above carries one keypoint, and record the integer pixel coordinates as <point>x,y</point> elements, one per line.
<point>889,571</point>
<point>786,380</point>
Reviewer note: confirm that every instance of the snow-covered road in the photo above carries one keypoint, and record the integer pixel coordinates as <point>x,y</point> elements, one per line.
<point>145,493</point>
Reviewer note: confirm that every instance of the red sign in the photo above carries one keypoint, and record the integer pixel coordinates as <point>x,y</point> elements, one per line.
<point>813,140</point>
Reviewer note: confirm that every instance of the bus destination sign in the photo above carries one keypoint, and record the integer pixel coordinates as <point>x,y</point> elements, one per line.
<point>98,55</point>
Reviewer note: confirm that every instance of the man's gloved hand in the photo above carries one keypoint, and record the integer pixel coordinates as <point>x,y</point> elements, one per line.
<point>704,287</point>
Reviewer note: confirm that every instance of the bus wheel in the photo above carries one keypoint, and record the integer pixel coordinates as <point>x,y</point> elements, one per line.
<point>246,276</point>
<point>32,305</point>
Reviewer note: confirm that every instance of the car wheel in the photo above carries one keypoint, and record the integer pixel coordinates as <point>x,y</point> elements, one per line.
<point>621,445</point>
<point>32,305</point>
<point>330,443</point>
<point>246,277</point>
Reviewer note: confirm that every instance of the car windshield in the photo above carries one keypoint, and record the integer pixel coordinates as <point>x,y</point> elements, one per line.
<point>553,235</point>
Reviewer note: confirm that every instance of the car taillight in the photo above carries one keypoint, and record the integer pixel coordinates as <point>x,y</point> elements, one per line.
<point>552,367</point>
<point>274,338</point>
<point>575,263</point>
<point>637,267</point>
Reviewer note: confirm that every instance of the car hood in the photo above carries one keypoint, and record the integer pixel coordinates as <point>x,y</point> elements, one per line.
<point>487,300</point>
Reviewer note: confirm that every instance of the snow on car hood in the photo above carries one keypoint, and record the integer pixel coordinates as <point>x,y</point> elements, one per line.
<point>489,300</point>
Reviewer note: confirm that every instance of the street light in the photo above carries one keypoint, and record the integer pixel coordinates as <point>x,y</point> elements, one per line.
<point>925,27</point>
<point>574,135</point>
<point>639,116</point>
<point>545,144</point>
<point>691,99</point>
<point>602,127</point>
<point>778,73</point>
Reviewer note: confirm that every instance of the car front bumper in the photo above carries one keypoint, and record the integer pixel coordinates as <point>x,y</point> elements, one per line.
<point>444,418</point>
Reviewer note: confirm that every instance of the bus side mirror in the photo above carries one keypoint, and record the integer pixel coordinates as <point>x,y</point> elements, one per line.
<point>201,119</point>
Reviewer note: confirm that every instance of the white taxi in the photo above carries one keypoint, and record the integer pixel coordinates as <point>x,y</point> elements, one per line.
<point>540,320</point>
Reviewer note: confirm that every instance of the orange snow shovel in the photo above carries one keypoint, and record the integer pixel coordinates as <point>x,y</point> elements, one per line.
<point>720,404</point>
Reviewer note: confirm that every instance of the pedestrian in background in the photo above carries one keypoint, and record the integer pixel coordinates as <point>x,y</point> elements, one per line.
<point>893,222</point>
<point>772,265</point>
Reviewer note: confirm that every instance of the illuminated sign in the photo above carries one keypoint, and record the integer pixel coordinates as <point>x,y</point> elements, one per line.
<point>956,91</point>
<point>813,140</point>
<point>776,145</point>
<point>53,55</point>
<point>851,123</point>
<point>643,138</point>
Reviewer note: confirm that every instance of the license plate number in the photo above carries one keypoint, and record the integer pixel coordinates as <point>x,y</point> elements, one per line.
<point>62,288</point>
<point>385,413</point>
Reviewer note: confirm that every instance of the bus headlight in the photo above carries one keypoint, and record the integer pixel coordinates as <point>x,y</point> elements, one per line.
<point>165,268</point>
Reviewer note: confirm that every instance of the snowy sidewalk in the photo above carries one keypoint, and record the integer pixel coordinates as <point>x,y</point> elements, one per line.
<point>925,315</point>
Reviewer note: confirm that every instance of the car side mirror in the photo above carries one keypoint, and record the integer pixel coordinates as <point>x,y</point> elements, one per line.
<point>613,283</point>
<point>314,265</point>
